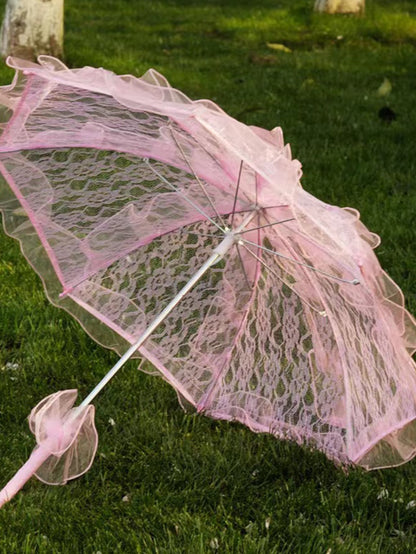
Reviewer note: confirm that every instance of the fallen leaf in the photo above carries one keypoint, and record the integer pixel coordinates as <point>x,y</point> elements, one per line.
<point>307,83</point>
<point>278,47</point>
<point>385,88</point>
<point>384,493</point>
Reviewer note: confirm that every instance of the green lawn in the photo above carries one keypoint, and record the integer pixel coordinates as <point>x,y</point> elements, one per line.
<point>164,481</point>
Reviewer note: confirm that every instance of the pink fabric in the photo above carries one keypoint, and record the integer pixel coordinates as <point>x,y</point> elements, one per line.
<point>66,443</point>
<point>94,163</point>
<point>67,433</point>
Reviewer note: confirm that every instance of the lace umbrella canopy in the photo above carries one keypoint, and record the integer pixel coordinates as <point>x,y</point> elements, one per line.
<point>172,230</point>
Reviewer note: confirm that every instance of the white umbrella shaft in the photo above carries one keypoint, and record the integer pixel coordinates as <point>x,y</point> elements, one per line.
<point>217,254</point>
<point>155,323</point>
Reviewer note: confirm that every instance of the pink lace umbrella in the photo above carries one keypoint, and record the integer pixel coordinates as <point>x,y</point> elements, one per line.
<point>175,233</point>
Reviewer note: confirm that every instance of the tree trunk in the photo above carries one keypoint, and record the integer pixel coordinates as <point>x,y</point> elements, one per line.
<point>340,6</point>
<point>32,27</point>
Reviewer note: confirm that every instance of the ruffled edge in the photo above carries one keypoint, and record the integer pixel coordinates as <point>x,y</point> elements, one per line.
<point>124,88</point>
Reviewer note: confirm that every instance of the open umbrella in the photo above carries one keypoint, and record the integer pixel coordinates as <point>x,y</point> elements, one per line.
<point>175,233</point>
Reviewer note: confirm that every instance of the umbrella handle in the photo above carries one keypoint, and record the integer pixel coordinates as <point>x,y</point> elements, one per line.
<point>38,456</point>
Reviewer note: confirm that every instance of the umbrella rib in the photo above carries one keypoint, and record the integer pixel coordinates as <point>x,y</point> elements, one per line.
<point>200,210</point>
<point>250,286</point>
<point>214,160</point>
<point>207,398</point>
<point>278,254</point>
<point>315,244</point>
<point>202,186</point>
<point>273,272</point>
<point>236,192</point>
<point>267,225</point>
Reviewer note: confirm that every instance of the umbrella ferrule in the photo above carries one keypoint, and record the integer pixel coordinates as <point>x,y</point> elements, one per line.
<point>231,236</point>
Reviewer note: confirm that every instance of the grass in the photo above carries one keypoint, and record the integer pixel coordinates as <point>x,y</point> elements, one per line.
<point>164,481</point>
